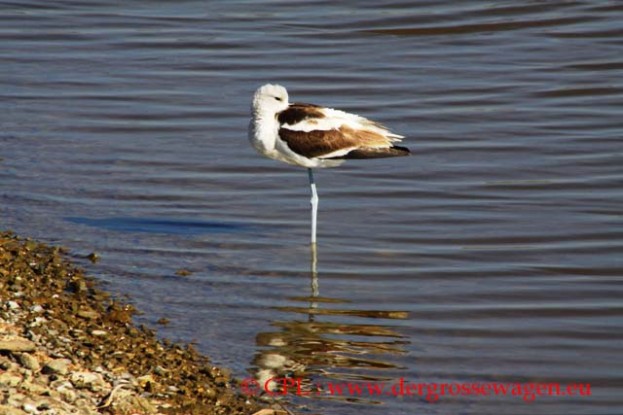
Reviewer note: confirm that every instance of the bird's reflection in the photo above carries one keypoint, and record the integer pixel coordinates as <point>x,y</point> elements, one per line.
<point>313,351</point>
<point>315,287</point>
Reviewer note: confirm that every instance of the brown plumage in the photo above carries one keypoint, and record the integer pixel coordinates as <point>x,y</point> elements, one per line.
<point>298,112</point>
<point>356,144</point>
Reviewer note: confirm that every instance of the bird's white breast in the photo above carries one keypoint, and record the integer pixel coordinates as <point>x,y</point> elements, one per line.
<point>262,134</point>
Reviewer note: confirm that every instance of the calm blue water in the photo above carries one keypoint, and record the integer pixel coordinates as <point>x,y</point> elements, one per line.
<point>493,254</point>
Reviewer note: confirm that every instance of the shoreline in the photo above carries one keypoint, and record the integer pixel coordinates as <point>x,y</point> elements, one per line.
<point>68,347</point>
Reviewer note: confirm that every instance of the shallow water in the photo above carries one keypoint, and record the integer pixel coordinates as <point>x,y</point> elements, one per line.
<point>493,254</point>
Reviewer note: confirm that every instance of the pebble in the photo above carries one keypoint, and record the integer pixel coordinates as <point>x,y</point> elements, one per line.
<point>38,321</point>
<point>9,379</point>
<point>61,384</point>
<point>15,399</point>
<point>36,308</point>
<point>16,344</point>
<point>29,362</point>
<point>31,408</point>
<point>88,314</point>
<point>88,380</point>
<point>159,370</point>
<point>67,394</point>
<point>57,367</point>
<point>34,388</point>
<point>64,389</point>
<point>145,380</point>
<point>10,410</point>
<point>6,364</point>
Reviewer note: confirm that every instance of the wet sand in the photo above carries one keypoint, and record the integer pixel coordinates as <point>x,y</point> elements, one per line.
<point>66,346</point>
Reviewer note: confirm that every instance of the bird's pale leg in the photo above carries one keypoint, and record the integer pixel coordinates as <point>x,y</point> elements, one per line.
<point>314,204</point>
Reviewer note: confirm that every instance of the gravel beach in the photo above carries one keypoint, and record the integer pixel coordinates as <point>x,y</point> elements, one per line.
<point>67,347</point>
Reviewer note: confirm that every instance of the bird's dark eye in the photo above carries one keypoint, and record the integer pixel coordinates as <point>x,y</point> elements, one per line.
<point>278,99</point>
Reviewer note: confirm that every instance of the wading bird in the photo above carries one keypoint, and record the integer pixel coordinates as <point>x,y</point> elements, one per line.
<point>311,136</point>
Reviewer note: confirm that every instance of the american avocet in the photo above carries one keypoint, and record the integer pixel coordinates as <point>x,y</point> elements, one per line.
<point>310,136</point>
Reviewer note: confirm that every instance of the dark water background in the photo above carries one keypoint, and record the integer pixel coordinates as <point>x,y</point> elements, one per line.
<point>493,254</point>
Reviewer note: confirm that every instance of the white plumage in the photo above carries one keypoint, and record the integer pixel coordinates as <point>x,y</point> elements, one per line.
<point>310,136</point>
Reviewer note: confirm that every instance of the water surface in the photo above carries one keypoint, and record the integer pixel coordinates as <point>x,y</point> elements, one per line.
<point>493,254</point>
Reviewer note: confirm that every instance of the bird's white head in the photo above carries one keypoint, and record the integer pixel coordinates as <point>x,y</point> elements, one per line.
<point>269,99</point>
